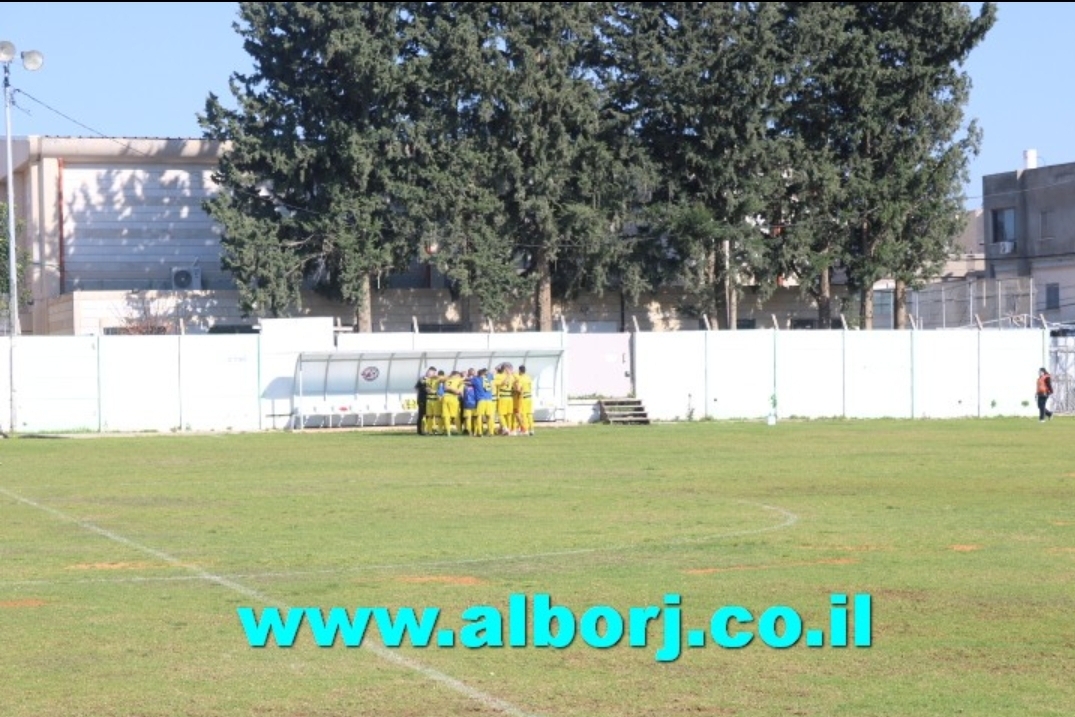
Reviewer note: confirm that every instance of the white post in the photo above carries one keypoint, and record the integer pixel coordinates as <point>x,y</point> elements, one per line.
<point>944,312</point>
<point>1000,302</point>
<point>970,298</point>
<point>1031,312</point>
<point>12,261</point>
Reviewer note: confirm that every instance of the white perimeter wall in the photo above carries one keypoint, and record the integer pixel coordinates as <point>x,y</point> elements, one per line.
<point>852,374</point>
<point>245,382</point>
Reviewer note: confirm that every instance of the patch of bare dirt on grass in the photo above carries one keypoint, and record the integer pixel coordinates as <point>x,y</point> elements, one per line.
<point>23,603</point>
<point>443,579</point>
<point>112,566</point>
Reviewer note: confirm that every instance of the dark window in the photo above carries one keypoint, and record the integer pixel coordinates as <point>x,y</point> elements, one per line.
<point>1047,230</point>
<point>1052,297</point>
<point>802,323</point>
<point>746,324</point>
<point>1003,225</point>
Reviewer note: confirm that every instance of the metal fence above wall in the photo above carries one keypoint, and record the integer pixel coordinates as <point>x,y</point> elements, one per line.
<point>991,303</point>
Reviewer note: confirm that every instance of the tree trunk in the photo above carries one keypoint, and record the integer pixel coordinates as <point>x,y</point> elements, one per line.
<point>364,308</point>
<point>464,313</point>
<point>731,302</point>
<point>900,305</point>
<point>866,309</point>
<point>543,293</point>
<point>824,301</point>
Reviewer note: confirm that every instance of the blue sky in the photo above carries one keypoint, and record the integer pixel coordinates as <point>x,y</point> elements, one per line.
<point>145,69</point>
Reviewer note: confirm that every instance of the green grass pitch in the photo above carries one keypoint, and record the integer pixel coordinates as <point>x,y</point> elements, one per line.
<point>123,562</point>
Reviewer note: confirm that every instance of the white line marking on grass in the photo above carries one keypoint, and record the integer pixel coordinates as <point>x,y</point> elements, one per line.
<point>789,520</point>
<point>482,698</point>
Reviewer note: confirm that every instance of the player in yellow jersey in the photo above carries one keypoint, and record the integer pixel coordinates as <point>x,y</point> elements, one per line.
<point>437,411</point>
<point>524,406</point>
<point>453,391</point>
<point>503,386</point>
<point>432,416</point>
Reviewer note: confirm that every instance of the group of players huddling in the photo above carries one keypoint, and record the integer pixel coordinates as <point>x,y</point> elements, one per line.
<point>476,403</point>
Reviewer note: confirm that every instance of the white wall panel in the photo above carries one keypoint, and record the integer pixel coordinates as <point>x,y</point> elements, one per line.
<point>599,364</point>
<point>526,340</point>
<point>139,383</point>
<point>388,341</point>
<point>669,374</point>
<point>1009,371</point>
<point>945,374</point>
<point>810,373</point>
<point>878,374</point>
<point>219,382</point>
<point>451,342</point>
<point>56,382</point>
<point>739,374</point>
<point>282,340</point>
<point>5,383</point>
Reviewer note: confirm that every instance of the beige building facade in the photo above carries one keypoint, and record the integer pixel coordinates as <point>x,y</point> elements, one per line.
<point>118,241</point>
<point>1030,233</point>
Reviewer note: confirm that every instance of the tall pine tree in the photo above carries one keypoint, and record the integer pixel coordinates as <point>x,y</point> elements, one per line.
<point>876,103</point>
<point>701,82</point>
<point>316,182</point>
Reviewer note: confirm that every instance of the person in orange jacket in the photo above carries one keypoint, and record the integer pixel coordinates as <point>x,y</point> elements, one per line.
<point>1043,391</point>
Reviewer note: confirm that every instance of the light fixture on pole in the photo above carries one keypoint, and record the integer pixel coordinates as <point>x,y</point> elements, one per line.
<point>31,60</point>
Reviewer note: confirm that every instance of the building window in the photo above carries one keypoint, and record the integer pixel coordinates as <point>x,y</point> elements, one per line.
<point>1052,297</point>
<point>802,323</point>
<point>746,324</point>
<point>1004,225</point>
<point>1047,225</point>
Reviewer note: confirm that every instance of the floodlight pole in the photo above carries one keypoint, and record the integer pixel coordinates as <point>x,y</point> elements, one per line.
<point>13,313</point>
<point>13,271</point>
<point>31,60</point>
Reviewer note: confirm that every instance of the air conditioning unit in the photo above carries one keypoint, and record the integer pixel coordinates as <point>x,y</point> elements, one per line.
<point>1006,247</point>
<point>186,278</point>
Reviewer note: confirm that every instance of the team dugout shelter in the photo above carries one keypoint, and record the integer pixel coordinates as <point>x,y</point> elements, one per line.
<point>377,388</point>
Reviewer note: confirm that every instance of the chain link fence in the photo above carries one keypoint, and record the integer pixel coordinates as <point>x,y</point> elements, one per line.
<point>991,303</point>
<point>1062,368</point>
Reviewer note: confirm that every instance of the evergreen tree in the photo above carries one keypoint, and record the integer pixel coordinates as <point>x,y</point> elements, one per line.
<point>877,103</point>
<point>541,115</point>
<point>462,212</point>
<point>316,178</point>
<point>701,82</point>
